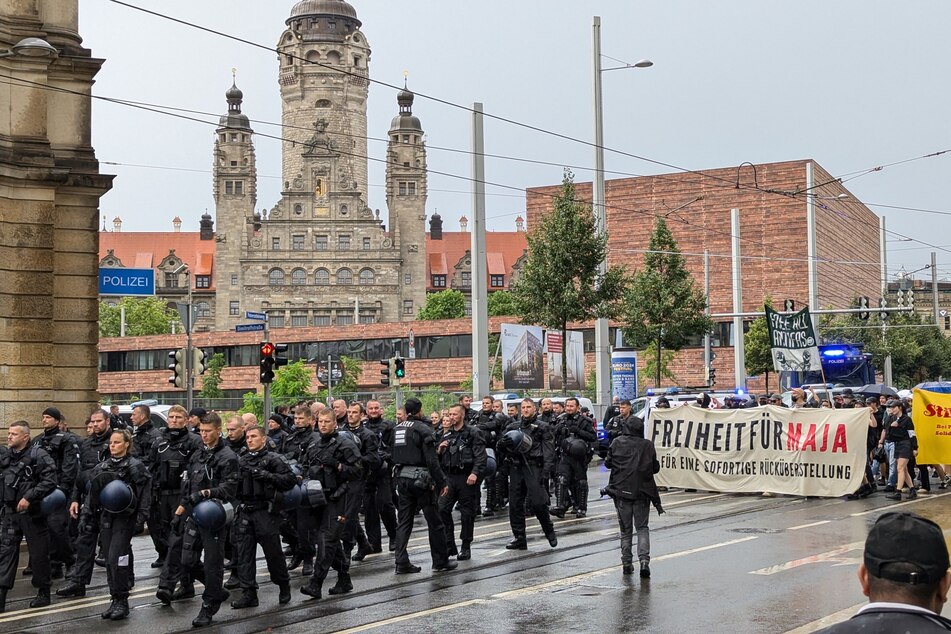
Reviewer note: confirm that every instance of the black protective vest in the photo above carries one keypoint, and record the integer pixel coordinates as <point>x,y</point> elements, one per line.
<point>408,443</point>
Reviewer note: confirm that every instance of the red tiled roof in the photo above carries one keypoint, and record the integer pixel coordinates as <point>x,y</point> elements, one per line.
<point>503,249</point>
<point>495,263</point>
<point>147,249</point>
<point>437,264</point>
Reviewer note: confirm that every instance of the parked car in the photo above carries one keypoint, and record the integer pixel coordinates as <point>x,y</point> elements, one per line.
<point>159,412</point>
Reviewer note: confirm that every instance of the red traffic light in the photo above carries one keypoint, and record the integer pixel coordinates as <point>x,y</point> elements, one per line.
<point>267,349</point>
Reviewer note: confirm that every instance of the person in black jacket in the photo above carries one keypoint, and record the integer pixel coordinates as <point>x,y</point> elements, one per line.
<point>370,461</point>
<point>379,499</point>
<point>905,576</point>
<point>462,456</point>
<point>574,434</point>
<point>212,473</point>
<point>27,475</point>
<point>64,450</point>
<point>633,463</point>
<point>491,424</point>
<point>900,430</point>
<point>301,534</point>
<point>118,526</point>
<point>145,437</point>
<point>419,482</point>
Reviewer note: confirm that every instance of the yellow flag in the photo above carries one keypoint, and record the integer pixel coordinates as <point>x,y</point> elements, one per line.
<point>931,414</point>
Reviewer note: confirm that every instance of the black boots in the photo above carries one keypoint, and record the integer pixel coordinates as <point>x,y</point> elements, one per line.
<point>581,498</point>
<point>628,569</point>
<point>42,598</point>
<point>561,503</point>
<point>312,589</point>
<point>72,589</point>
<point>464,553</point>
<point>308,569</point>
<point>3,600</point>
<point>249,599</point>
<point>645,570</point>
<point>343,584</point>
<point>185,591</point>
<point>204,617</point>
<point>117,610</point>
<point>518,543</point>
<point>552,538</point>
<point>284,597</point>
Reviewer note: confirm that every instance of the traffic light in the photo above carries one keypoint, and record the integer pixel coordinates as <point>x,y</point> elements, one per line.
<point>199,361</point>
<point>177,365</point>
<point>712,376</point>
<point>399,368</point>
<point>387,373</point>
<point>883,303</point>
<point>280,355</point>
<point>863,303</point>
<point>267,362</point>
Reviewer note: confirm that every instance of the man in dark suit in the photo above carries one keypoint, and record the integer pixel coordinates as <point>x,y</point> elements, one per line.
<point>905,576</point>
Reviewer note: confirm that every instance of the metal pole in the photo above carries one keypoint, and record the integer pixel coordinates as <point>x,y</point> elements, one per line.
<point>602,335</point>
<point>330,379</point>
<point>707,349</point>
<point>812,265</point>
<point>122,321</point>
<point>189,379</point>
<point>887,370</point>
<point>480,312</point>
<point>267,386</point>
<point>739,351</point>
<point>934,286</point>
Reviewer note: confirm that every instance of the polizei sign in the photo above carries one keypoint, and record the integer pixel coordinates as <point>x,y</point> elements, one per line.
<point>126,282</point>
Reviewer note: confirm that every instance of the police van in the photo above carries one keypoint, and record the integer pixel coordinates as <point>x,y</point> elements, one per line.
<point>159,412</point>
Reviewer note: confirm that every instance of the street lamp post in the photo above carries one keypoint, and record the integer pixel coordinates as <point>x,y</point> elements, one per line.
<point>602,343</point>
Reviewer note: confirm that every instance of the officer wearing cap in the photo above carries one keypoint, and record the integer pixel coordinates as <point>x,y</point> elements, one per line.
<point>905,576</point>
<point>64,450</point>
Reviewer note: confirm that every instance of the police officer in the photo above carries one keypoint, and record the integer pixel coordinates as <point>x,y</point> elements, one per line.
<point>264,476</point>
<point>334,460</point>
<point>370,462</point>
<point>64,451</point>
<point>145,438</point>
<point>625,417</point>
<point>527,474</point>
<point>340,411</point>
<point>419,479</point>
<point>119,525</point>
<point>547,411</point>
<point>300,534</point>
<point>574,433</point>
<point>491,424</point>
<point>28,475</point>
<point>463,458</point>
<point>171,456</point>
<point>93,450</point>
<point>276,434</point>
<point>466,401</point>
<point>378,501</point>
<point>235,435</point>
<point>212,473</point>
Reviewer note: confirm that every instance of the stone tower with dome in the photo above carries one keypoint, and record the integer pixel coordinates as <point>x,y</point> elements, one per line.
<point>321,256</point>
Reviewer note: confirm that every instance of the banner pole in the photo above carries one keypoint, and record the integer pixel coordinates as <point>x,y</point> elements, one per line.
<point>826,386</point>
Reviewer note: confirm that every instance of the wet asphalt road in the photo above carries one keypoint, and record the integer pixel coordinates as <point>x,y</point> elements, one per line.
<point>720,563</point>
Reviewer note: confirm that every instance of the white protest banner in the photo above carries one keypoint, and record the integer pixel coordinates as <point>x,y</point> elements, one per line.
<point>814,452</point>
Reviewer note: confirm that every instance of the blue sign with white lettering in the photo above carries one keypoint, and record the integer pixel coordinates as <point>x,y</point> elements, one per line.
<point>127,282</point>
<point>258,316</point>
<point>248,327</point>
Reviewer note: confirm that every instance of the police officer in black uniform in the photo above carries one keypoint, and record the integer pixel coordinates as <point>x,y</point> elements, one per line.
<point>491,424</point>
<point>27,475</point>
<point>234,435</point>
<point>264,476</point>
<point>64,451</point>
<point>145,438</point>
<point>378,500</point>
<point>419,480</point>
<point>462,456</point>
<point>625,418</point>
<point>370,462</point>
<point>527,475</point>
<point>212,473</point>
<point>333,459</point>
<point>300,531</point>
<point>574,433</point>
<point>170,457</point>
<point>276,434</point>
<point>93,450</point>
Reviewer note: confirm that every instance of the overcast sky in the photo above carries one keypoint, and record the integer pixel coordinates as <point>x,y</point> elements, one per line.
<point>853,84</point>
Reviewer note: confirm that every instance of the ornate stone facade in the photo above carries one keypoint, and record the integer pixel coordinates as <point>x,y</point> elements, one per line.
<point>320,255</point>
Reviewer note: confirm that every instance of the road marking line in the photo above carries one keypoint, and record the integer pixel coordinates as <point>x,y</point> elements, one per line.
<point>920,498</point>
<point>830,619</point>
<point>834,555</point>
<point>19,615</point>
<point>801,526</point>
<point>501,596</point>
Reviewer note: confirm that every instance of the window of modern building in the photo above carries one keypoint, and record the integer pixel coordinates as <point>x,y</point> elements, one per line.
<point>497,281</point>
<point>320,243</point>
<point>202,309</point>
<point>439,281</point>
<point>367,276</point>
<point>465,279</point>
<point>298,277</point>
<point>366,244</point>
<point>344,277</point>
<point>275,277</point>
<point>202,281</point>
<point>407,307</point>
<point>234,279</point>
<point>297,242</point>
<point>321,277</point>
<point>275,244</point>
<point>234,308</point>
<point>171,280</point>
<point>343,242</point>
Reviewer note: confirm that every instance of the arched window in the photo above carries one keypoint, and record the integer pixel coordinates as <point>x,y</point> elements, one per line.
<point>203,309</point>
<point>323,103</point>
<point>312,56</point>
<point>344,277</point>
<point>333,57</point>
<point>322,277</point>
<point>298,277</point>
<point>366,276</point>
<point>275,277</point>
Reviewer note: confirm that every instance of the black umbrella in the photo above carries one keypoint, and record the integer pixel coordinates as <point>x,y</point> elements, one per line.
<point>877,389</point>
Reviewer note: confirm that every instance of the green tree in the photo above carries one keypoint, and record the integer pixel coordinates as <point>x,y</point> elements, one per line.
<point>662,306</point>
<point>291,383</point>
<point>143,316</point>
<point>666,358</point>
<point>447,304</point>
<point>501,304</point>
<point>211,379</point>
<point>561,281</point>
<point>759,357</point>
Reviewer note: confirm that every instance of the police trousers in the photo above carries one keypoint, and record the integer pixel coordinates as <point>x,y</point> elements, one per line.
<point>164,504</point>
<point>253,526</point>
<point>14,527</point>
<point>468,498</point>
<point>61,545</point>
<point>632,516</point>
<point>330,532</point>
<point>86,542</point>
<point>528,483</point>
<point>378,505</point>
<point>183,559</point>
<point>413,499</point>
<point>117,533</point>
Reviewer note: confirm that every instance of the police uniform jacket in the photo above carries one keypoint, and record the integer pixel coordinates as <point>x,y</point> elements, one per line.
<point>615,426</point>
<point>92,450</point>
<point>170,456</point>
<point>133,472</point>
<point>887,619</point>
<point>276,438</point>
<point>542,452</point>
<point>214,469</point>
<point>414,445</point>
<point>237,446</point>
<point>262,475</point>
<point>573,425</point>
<point>466,451</point>
<point>369,446</point>
<point>491,424</point>
<point>144,439</point>
<point>27,474</point>
<point>633,463</point>
<point>334,459</point>
<point>65,454</point>
<point>385,431</point>
<point>297,442</point>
